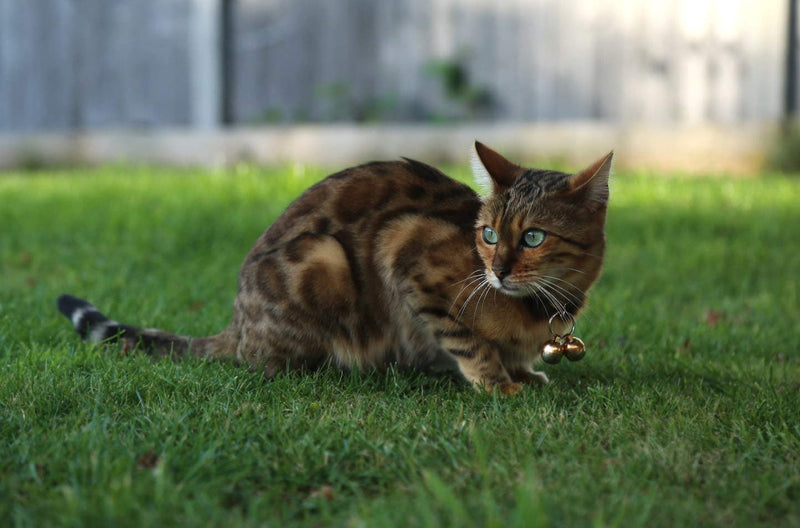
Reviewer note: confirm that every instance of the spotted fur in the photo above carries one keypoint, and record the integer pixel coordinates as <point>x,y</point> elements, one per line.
<point>385,263</point>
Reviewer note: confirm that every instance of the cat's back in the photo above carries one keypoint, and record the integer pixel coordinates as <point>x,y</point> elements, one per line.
<point>360,201</point>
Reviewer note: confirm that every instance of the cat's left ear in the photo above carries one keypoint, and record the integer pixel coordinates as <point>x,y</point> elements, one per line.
<point>592,182</point>
<point>493,172</point>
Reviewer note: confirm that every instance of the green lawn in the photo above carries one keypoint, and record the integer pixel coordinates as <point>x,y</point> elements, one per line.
<point>685,411</point>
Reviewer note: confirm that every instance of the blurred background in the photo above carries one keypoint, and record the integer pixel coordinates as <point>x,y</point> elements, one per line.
<point>687,85</point>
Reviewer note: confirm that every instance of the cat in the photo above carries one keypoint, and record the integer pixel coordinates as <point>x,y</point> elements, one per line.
<point>395,262</point>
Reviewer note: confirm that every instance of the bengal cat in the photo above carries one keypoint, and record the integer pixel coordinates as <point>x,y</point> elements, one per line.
<point>394,262</point>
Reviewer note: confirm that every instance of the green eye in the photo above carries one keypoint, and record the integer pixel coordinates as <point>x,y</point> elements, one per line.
<point>489,235</point>
<point>533,238</point>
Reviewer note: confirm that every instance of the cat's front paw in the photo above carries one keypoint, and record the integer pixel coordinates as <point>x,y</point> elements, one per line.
<point>530,377</point>
<point>508,388</point>
<point>504,388</point>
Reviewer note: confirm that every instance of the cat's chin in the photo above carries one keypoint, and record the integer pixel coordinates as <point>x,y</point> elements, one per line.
<point>508,289</point>
<point>513,292</point>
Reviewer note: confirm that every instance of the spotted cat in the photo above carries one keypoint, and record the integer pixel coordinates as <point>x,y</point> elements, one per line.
<point>394,262</point>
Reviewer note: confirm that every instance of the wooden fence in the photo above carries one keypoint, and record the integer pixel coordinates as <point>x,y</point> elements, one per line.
<point>86,64</point>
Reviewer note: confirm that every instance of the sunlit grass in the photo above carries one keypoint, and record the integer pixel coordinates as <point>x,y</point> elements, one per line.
<point>685,411</point>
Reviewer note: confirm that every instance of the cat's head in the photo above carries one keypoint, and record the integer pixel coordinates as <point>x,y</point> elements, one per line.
<point>540,233</point>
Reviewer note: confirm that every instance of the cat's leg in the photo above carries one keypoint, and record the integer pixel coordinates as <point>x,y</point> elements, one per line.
<point>520,367</point>
<point>273,348</point>
<point>296,306</point>
<point>425,262</point>
<point>478,359</point>
<point>481,365</point>
<point>528,376</point>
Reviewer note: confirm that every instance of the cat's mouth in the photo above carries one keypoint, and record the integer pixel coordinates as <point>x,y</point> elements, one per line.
<point>506,287</point>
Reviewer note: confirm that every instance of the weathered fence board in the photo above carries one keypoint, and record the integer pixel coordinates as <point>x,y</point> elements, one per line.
<point>88,63</point>
<point>79,64</point>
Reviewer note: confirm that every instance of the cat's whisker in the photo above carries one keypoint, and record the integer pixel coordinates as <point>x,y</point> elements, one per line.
<point>556,293</point>
<point>558,290</point>
<point>577,299</point>
<point>558,305</point>
<point>482,301</point>
<point>476,273</point>
<point>536,289</point>
<point>532,290</point>
<point>587,254</point>
<point>578,296</point>
<point>559,279</point>
<point>570,284</point>
<point>471,295</point>
<point>481,290</point>
<point>477,304</point>
<point>556,268</point>
<point>472,280</point>
<point>465,287</point>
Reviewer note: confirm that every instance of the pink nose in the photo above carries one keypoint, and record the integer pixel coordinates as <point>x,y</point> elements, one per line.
<point>500,271</point>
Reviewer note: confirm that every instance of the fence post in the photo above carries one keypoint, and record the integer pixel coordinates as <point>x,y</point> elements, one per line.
<point>206,71</point>
<point>790,82</point>
<point>227,52</point>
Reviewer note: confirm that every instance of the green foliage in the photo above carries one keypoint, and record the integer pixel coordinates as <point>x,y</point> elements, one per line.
<point>684,412</point>
<point>471,101</point>
<point>336,102</point>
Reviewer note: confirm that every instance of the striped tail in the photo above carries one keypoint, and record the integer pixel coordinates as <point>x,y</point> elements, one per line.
<point>95,327</point>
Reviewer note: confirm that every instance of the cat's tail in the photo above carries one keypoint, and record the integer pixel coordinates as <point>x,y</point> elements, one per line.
<point>95,327</point>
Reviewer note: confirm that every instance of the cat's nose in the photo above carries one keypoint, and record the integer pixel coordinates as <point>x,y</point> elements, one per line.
<point>500,271</point>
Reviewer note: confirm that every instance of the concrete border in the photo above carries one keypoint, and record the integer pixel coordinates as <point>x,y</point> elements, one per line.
<point>738,149</point>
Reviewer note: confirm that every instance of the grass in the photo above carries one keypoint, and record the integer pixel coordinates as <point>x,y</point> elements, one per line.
<point>686,410</point>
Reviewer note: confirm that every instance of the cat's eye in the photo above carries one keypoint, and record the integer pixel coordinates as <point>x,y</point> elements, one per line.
<point>533,238</point>
<point>489,235</point>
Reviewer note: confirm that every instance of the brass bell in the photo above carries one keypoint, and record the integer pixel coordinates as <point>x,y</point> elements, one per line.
<point>574,348</point>
<point>552,352</point>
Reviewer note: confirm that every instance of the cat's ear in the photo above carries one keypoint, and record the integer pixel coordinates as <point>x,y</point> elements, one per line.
<point>591,184</point>
<point>492,172</point>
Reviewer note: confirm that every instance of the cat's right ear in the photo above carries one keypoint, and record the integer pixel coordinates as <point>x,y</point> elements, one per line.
<point>493,172</point>
<point>591,184</point>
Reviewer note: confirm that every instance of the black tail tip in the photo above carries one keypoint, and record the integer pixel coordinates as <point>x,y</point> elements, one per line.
<point>67,304</point>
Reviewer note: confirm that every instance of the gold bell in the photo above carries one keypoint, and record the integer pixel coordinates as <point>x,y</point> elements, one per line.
<point>552,352</point>
<point>563,344</point>
<point>574,348</point>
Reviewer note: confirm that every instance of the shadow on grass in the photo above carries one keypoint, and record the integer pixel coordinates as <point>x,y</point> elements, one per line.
<point>578,383</point>
<point>644,378</point>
